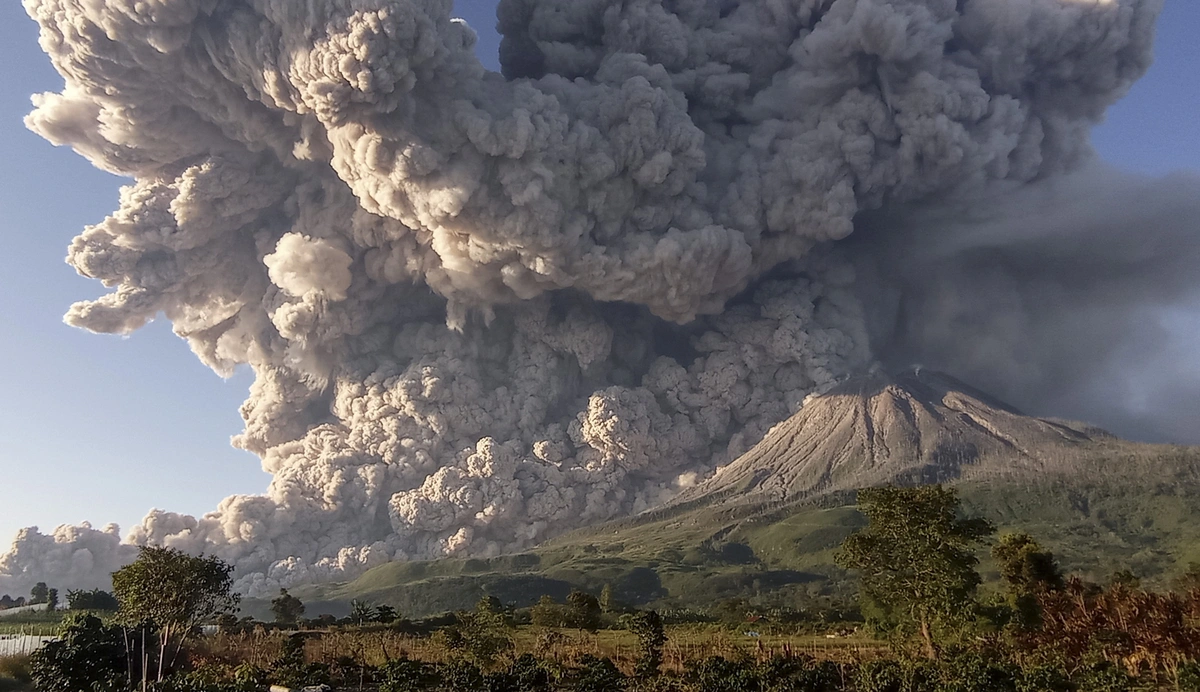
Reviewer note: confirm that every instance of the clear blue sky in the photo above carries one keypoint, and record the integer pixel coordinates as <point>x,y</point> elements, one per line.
<point>102,428</point>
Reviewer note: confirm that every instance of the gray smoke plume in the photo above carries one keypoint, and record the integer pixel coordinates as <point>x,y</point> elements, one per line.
<point>485,308</point>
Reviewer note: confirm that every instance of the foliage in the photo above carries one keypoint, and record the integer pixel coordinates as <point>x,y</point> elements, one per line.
<point>286,608</point>
<point>583,610</point>
<point>361,612</point>
<point>480,635</point>
<point>717,674</point>
<point>385,615</point>
<point>89,655</point>
<point>647,627</point>
<point>52,600</point>
<point>595,674</point>
<point>405,675</point>
<point>38,593</point>
<point>916,559</point>
<point>176,592</point>
<point>292,669</point>
<point>92,600</point>
<point>547,613</point>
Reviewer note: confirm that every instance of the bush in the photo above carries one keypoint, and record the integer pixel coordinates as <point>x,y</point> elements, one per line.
<point>89,656</point>
<point>648,629</point>
<point>717,674</point>
<point>596,675</point>
<point>291,669</point>
<point>1104,677</point>
<point>883,675</point>
<point>972,672</point>
<point>547,613</point>
<point>92,600</point>
<point>404,675</point>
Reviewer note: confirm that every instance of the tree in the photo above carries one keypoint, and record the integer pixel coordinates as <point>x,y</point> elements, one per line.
<point>52,600</point>
<point>91,600</point>
<point>176,592</point>
<point>1028,571</point>
<point>287,608</point>
<point>647,627</point>
<point>1025,566</point>
<point>915,558</point>
<point>361,612</point>
<point>481,634</point>
<point>38,593</point>
<point>385,615</point>
<point>583,610</point>
<point>607,604</point>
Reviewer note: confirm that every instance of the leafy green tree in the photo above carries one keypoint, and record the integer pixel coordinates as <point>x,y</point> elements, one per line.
<point>547,613</point>
<point>583,610</point>
<point>176,592</point>
<point>91,600</point>
<point>1028,571</point>
<point>52,600</point>
<point>38,593</point>
<point>915,558</point>
<point>287,608</point>
<point>385,614</point>
<point>1025,566</point>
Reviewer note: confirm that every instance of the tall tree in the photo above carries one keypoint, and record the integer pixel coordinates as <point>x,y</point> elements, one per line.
<point>287,608</point>
<point>916,559</point>
<point>38,593</point>
<point>176,592</point>
<point>1029,571</point>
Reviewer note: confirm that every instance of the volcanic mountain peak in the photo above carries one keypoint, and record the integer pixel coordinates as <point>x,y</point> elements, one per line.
<point>917,426</point>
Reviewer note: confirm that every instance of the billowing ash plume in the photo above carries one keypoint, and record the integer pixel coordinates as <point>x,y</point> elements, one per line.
<point>484,308</point>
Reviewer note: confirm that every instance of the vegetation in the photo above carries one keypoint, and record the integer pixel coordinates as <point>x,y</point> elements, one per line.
<point>94,600</point>
<point>916,558</point>
<point>287,608</point>
<point>173,593</point>
<point>916,553</point>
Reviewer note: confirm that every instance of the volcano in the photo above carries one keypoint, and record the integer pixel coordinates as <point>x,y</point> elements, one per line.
<point>915,427</point>
<point>769,522</point>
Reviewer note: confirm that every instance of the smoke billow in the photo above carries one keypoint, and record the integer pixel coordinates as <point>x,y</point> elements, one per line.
<point>485,308</point>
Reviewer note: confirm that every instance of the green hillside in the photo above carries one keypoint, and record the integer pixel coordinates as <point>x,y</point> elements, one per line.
<point>694,556</point>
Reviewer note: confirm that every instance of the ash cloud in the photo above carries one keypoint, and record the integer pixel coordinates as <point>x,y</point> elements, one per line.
<point>1056,297</point>
<point>483,308</point>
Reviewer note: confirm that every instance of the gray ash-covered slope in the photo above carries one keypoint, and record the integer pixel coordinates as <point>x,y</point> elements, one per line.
<point>919,426</point>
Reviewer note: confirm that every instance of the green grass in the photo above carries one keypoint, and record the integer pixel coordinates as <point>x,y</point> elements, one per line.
<point>698,555</point>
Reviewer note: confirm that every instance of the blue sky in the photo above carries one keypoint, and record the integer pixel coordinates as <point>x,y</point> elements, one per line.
<point>102,428</point>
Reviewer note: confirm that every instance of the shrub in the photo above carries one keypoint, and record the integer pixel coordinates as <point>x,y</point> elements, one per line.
<point>883,675</point>
<point>1189,677</point>
<point>648,629</point>
<point>1104,677</point>
<point>404,675</point>
<point>89,656</point>
<point>596,675</point>
<point>718,674</point>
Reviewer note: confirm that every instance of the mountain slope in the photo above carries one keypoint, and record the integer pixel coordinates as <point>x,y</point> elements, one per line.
<point>766,526</point>
<point>916,427</point>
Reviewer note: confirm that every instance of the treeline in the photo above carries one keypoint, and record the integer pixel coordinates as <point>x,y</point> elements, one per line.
<point>917,560</point>
<point>94,600</point>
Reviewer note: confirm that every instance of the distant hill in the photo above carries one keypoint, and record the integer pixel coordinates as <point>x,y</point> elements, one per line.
<point>765,526</point>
